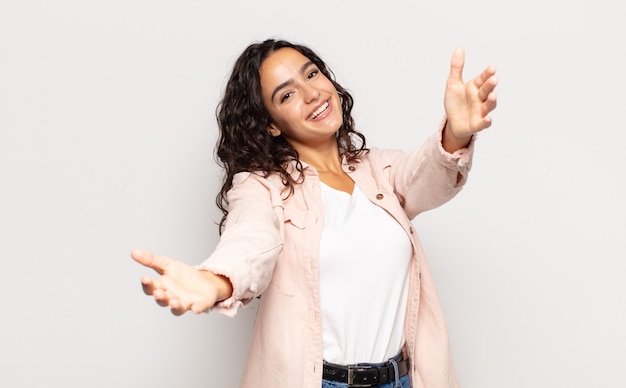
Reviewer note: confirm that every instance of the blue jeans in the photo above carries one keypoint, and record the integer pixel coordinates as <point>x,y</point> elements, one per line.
<point>404,380</point>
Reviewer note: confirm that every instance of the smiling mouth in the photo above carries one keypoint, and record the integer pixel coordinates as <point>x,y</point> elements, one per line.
<point>318,111</point>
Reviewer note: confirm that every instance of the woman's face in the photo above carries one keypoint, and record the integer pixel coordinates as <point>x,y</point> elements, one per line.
<point>303,104</point>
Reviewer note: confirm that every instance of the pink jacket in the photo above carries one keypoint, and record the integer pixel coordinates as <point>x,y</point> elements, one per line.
<point>270,247</point>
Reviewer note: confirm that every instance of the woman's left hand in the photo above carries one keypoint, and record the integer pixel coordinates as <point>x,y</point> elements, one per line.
<point>468,104</point>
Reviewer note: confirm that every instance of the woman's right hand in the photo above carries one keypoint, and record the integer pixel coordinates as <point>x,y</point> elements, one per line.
<point>467,105</point>
<point>181,287</point>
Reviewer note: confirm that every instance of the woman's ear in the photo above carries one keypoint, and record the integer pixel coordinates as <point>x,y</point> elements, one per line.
<point>273,130</point>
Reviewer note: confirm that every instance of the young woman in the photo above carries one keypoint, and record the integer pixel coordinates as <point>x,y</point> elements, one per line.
<point>319,227</point>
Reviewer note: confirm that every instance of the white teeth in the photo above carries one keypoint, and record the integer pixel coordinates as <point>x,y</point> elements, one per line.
<point>319,111</point>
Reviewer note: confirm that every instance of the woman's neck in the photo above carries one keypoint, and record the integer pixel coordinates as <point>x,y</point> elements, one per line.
<point>327,162</point>
<point>326,159</point>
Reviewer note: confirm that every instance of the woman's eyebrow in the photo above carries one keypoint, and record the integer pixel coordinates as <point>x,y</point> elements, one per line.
<point>289,81</point>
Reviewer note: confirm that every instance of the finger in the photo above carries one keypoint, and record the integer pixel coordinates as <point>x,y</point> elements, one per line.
<point>148,285</point>
<point>153,284</point>
<point>150,260</point>
<point>200,306</point>
<point>456,66</point>
<point>483,123</point>
<point>177,307</point>
<point>487,88</point>
<point>486,76</point>
<point>490,104</point>
<point>162,297</point>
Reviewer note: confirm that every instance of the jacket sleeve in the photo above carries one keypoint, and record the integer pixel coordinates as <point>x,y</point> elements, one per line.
<point>429,176</point>
<point>251,240</point>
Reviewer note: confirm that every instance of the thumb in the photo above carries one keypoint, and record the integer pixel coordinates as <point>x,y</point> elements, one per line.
<point>456,66</point>
<point>150,260</point>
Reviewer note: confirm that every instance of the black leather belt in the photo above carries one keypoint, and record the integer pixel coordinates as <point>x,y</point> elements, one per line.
<point>365,375</point>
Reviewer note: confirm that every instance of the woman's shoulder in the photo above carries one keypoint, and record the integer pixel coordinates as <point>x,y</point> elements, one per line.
<point>258,177</point>
<point>377,155</point>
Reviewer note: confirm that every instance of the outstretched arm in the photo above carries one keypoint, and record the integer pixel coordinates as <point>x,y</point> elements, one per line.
<point>181,287</point>
<point>467,105</point>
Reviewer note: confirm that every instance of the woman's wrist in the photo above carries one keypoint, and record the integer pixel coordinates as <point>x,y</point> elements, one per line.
<point>452,143</point>
<point>221,283</point>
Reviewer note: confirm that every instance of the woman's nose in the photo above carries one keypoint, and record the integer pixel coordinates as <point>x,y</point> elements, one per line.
<point>311,93</point>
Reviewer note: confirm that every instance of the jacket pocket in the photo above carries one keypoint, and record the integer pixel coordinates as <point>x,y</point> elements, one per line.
<point>289,267</point>
<point>296,218</point>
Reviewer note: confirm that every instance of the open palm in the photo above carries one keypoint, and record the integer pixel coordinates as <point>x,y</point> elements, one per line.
<point>468,105</point>
<point>181,287</point>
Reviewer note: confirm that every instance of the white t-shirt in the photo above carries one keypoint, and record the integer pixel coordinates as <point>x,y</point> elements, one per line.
<point>365,257</point>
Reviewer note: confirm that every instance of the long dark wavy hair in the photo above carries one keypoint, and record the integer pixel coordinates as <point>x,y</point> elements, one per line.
<point>245,143</point>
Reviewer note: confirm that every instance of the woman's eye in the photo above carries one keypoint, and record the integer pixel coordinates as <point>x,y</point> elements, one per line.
<point>312,74</point>
<point>285,97</point>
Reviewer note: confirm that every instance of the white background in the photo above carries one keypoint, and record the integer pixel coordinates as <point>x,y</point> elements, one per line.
<point>106,143</point>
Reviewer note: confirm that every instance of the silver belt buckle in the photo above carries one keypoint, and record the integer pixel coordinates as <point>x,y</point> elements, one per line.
<point>351,376</point>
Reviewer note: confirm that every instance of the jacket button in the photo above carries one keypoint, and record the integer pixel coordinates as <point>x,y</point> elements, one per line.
<point>379,196</point>
<point>411,230</point>
<point>351,168</point>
